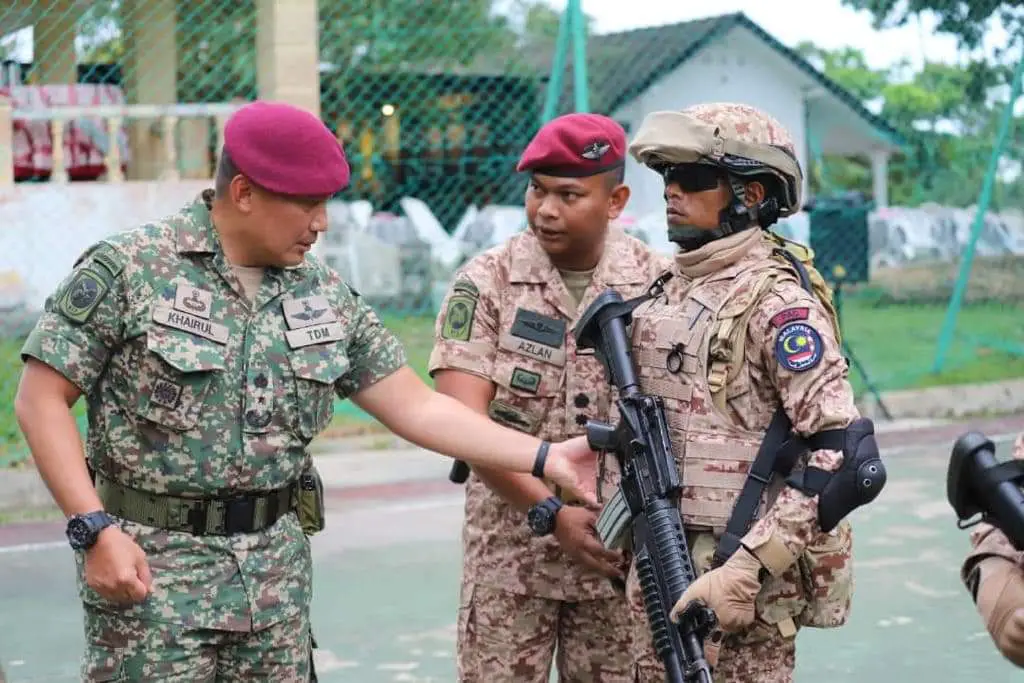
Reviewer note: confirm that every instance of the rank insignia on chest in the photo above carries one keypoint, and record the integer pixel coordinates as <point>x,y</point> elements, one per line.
<point>798,347</point>
<point>166,393</point>
<point>194,301</point>
<point>307,311</point>
<point>537,336</point>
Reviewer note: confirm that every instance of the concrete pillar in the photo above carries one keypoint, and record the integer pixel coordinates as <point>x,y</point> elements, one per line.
<point>288,52</point>
<point>880,177</point>
<point>150,77</point>
<point>53,44</point>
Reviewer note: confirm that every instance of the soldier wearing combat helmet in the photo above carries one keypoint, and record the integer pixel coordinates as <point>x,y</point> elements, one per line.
<point>211,347</point>
<point>743,348</point>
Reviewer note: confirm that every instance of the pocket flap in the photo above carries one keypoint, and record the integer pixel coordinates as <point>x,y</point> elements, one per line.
<point>323,364</point>
<point>183,351</point>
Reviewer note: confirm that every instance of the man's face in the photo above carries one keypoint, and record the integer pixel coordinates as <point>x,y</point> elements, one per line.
<point>281,230</point>
<point>570,215</point>
<point>695,195</point>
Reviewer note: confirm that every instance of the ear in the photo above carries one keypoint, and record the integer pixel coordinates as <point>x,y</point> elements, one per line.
<point>754,193</point>
<point>617,201</point>
<point>241,192</point>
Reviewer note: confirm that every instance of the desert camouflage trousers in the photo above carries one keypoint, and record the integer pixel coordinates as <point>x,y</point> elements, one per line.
<point>507,637</point>
<point>124,649</point>
<point>764,661</point>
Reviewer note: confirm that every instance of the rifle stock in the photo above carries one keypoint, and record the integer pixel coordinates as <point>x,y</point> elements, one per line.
<point>651,487</point>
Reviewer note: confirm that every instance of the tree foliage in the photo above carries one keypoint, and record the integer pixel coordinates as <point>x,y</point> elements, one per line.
<point>947,113</point>
<point>968,20</point>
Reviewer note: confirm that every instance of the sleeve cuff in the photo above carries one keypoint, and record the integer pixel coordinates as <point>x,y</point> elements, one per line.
<point>472,357</point>
<point>65,356</point>
<point>392,357</point>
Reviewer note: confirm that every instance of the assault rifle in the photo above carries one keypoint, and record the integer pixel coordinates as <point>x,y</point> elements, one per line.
<point>978,484</point>
<point>651,488</point>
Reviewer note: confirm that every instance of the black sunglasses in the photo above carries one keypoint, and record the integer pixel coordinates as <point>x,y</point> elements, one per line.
<point>692,177</point>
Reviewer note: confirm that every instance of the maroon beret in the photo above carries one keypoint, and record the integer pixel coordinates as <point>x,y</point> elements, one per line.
<point>575,146</point>
<point>285,149</point>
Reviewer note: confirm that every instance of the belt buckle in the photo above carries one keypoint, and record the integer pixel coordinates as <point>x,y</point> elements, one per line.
<point>239,514</point>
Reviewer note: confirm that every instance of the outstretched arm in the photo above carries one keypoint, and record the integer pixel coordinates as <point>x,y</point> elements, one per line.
<point>408,407</point>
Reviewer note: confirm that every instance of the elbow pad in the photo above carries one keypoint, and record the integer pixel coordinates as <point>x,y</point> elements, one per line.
<point>857,482</point>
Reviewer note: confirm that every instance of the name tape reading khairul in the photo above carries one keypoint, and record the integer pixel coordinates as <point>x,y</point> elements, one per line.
<point>191,323</point>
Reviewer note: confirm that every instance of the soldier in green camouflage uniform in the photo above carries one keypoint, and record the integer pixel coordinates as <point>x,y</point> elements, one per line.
<point>210,347</point>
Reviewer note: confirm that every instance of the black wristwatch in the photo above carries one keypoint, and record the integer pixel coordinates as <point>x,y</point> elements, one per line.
<point>542,515</point>
<point>83,530</point>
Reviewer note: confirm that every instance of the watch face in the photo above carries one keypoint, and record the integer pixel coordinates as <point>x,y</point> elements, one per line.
<point>539,519</point>
<point>78,532</point>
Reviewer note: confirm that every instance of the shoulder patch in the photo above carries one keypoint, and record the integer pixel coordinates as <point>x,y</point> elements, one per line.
<point>467,287</point>
<point>790,315</point>
<point>798,347</point>
<point>107,257</point>
<point>82,295</point>
<point>458,317</point>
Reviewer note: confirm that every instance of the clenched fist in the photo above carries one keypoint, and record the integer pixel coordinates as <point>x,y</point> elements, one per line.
<point>117,569</point>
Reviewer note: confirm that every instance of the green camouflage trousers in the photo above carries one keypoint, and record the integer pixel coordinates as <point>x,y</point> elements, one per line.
<point>124,649</point>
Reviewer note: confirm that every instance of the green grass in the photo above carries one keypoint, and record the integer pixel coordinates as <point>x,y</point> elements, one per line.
<point>896,343</point>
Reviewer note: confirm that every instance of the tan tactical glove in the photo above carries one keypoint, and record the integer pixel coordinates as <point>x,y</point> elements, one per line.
<point>1001,604</point>
<point>729,590</point>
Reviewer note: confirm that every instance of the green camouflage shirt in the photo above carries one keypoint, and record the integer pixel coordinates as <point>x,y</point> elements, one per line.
<point>194,391</point>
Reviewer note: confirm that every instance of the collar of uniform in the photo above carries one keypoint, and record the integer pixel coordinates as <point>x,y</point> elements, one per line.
<point>195,228</point>
<point>531,264</point>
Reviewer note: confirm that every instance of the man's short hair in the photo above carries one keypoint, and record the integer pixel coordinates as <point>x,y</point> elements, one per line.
<point>226,172</point>
<point>615,177</point>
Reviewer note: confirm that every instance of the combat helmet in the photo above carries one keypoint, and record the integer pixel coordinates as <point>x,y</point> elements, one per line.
<point>740,139</point>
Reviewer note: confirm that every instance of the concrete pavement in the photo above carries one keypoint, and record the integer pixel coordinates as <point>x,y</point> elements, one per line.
<point>387,576</point>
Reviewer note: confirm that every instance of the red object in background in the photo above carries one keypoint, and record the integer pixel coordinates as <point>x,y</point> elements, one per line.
<point>85,139</point>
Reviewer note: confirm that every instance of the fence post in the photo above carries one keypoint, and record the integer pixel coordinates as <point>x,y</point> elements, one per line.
<point>949,324</point>
<point>557,66</point>
<point>579,34</point>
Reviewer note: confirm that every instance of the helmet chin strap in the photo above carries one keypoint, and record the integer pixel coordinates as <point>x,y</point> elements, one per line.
<point>734,218</point>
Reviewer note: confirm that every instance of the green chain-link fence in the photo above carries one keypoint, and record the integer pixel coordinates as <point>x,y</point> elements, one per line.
<point>434,102</point>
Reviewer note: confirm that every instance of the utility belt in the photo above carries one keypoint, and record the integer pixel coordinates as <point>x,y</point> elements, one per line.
<point>243,514</point>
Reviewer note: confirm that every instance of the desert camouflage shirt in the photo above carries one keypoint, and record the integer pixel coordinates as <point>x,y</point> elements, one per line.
<point>194,391</point>
<point>508,317</point>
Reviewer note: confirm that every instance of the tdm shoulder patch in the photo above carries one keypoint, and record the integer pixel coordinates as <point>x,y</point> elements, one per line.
<point>82,295</point>
<point>458,317</point>
<point>798,347</point>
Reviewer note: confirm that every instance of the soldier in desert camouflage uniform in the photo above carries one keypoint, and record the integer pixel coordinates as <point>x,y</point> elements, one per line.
<point>734,345</point>
<point>211,346</point>
<point>993,572</point>
<point>504,347</point>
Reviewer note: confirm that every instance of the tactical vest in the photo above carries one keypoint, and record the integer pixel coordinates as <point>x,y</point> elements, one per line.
<point>692,359</point>
<point>672,352</point>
